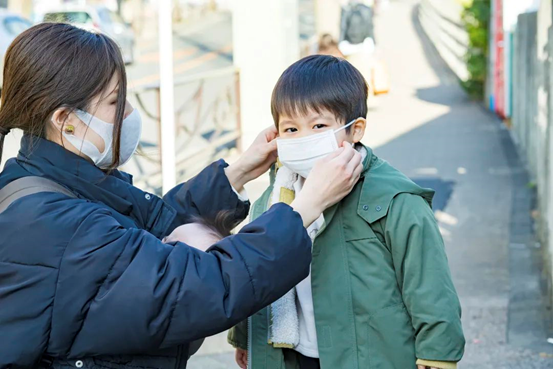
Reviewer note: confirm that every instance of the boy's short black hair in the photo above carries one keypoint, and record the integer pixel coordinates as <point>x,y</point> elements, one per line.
<point>320,82</point>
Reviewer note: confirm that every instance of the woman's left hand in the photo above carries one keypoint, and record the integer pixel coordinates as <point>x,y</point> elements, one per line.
<point>255,161</point>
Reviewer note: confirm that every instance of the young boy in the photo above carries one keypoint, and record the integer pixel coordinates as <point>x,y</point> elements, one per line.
<point>380,293</point>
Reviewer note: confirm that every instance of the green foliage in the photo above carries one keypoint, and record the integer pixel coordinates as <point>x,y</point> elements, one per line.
<point>476,20</point>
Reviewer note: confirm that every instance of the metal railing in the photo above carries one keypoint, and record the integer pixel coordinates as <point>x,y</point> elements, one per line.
<point>207,119</point>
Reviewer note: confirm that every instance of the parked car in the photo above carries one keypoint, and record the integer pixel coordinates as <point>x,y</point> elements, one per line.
<point>11,25</point>
<point>97,18</point>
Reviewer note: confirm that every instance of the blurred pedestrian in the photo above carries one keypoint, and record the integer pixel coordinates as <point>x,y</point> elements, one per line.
<point>329,46</point>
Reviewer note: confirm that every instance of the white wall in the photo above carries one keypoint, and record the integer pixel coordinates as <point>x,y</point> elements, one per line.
<point>266,42</point>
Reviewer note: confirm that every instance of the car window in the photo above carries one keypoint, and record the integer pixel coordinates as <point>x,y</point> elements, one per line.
<point>68,17</point>
<point>15,25</point>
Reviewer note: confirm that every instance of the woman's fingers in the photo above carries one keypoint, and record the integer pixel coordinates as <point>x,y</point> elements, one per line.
<point>357,172</point>
<point>345,156</point>
<point>271,146</point>
<point>354,162</point>
<point>270,133</point>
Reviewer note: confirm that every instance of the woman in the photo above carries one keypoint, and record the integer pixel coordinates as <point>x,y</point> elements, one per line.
<point>85,280</point>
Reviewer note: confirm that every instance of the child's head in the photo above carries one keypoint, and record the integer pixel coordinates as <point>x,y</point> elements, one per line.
<point>319,93</point>
<point>202,233</point>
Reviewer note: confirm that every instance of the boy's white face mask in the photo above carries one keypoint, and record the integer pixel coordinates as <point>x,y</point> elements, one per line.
<point>130,138</point>
<point>300,154</point>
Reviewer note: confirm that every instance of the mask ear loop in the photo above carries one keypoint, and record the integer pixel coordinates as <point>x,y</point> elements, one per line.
<point>346,126</point>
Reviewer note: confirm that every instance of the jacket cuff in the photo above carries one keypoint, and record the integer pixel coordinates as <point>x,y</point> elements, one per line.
<point>236,344</point>
<point>437,364</point>
<point>242,195</point>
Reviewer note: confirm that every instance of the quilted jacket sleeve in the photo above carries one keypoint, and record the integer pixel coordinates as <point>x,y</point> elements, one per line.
<point>141,294</point>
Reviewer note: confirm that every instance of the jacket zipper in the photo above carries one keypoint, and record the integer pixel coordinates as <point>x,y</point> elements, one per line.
<point>179,359</point>
<point>250,331</point>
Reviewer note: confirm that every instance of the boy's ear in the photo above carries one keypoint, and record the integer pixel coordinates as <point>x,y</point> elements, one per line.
<point>358,129</point>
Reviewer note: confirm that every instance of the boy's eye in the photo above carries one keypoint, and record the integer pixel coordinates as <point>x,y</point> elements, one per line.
<point>290,130</point>
<point>319,126</point>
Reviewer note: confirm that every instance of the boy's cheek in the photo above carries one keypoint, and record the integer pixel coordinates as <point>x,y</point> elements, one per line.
<point>345,139</point>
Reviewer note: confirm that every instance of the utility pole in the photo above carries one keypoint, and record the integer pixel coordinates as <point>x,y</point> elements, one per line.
<point>23,7</point>
<point>266,41</point>
<point>327,17</point>
<point>167,98</point>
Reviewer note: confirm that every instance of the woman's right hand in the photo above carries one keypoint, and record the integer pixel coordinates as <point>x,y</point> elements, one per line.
<point>330,180</point>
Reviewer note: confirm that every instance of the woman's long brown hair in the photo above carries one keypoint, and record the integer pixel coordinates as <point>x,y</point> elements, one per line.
<point>54,65</point>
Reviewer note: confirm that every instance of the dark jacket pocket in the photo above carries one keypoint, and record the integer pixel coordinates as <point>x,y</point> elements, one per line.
<point>391,339</point>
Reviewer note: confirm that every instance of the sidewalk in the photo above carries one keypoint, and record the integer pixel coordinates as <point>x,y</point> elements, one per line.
<point>427,128</point>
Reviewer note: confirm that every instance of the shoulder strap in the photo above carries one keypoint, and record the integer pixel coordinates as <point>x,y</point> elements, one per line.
<point>28,186</point>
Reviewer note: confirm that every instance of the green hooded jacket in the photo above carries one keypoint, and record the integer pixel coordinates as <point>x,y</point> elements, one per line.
<point>382,290</point>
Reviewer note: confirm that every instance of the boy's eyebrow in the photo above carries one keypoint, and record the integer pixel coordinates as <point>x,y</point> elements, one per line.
<point>319,116</point>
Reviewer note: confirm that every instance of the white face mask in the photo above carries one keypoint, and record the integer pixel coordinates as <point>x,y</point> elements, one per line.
<point>300,154</point>
<point>130,138</point>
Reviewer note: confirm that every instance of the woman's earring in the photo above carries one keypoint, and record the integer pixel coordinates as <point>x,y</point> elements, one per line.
<point>69,129</point>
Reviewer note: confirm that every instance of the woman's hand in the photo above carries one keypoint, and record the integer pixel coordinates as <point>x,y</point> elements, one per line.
<point>255,161</point>
<point>330,180</point>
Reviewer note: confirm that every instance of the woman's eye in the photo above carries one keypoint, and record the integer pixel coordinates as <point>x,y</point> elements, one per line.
<point>290,130</point>
<point>319,126</point>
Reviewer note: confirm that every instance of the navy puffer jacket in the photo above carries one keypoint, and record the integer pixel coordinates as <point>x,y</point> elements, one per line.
<point>87,282</point>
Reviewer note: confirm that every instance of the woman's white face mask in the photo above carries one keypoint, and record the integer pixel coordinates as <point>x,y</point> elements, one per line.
<point>300,154</point>
<point>131,131</point>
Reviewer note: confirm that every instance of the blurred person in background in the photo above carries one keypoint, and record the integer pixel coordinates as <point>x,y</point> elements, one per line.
<point>329,46</point>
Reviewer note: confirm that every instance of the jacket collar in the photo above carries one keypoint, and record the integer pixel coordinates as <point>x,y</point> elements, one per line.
<point>44,158</point>
<point>381,184</point>
<point>367,161</point>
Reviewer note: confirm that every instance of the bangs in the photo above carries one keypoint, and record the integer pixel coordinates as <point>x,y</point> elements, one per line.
<point>109,62</point>
<point>320,83</point>
<point>105,61</point>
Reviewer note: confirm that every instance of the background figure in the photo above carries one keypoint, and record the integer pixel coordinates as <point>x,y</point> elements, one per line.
<point>329,46</point>
<point>358,46</point>
<point>357,23</point>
